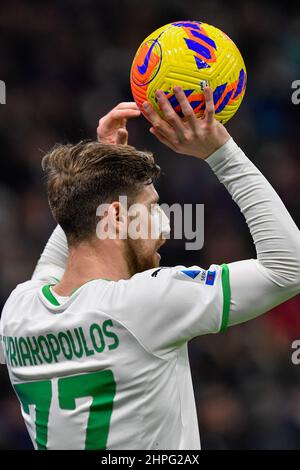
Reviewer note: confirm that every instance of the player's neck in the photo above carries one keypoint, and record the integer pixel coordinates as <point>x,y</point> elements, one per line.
<point>86,262</point>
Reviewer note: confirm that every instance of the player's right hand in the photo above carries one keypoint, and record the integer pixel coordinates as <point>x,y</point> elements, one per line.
<point>190,136</point>
<point>112,127</point>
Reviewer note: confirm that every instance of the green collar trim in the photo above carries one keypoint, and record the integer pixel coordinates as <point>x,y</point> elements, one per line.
<point>49,296</point>
<point>53,300</point>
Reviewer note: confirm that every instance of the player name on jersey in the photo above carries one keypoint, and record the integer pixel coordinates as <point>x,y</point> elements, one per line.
<point>68,344</point>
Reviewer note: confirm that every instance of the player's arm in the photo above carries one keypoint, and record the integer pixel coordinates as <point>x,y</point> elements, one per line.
<point>255,285</point>
<point>111,130</point>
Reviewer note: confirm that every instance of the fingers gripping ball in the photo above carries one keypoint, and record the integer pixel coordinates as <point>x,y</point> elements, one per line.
<point>189,54</point>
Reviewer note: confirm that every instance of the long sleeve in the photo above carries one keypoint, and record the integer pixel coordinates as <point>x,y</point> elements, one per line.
<point>53,260</point>
<point>257,285</point>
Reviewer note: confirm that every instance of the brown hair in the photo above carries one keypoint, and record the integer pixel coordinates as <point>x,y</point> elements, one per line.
<point>84,175</point>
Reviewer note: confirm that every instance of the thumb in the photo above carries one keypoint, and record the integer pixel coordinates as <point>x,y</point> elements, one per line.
<point>122,136</point>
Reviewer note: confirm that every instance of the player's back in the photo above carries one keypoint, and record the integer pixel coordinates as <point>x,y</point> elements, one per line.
<point>86,376</point>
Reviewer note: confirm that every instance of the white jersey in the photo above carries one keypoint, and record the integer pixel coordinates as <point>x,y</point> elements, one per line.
<point>109,368</point>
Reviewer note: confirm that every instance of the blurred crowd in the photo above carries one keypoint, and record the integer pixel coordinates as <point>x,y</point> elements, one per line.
<point>65,64</point>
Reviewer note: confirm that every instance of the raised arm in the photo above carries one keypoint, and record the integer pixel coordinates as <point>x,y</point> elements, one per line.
<point>259,284</point>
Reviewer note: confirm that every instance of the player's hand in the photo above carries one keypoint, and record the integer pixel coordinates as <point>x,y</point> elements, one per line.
<point>190,136</point>
<point>112,127</point>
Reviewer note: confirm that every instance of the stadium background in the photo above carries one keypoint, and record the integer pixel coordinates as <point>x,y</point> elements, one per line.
<point>67,63</point>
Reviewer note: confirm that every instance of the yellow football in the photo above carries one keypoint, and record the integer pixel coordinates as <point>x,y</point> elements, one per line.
<point>190,54</point>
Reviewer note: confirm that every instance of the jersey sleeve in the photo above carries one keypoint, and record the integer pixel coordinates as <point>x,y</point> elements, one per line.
<point>254,291</point>
<point>173,305</point>
<point>52,262</point>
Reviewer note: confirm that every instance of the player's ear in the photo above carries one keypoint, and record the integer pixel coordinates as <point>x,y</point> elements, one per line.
<point>117,218</point>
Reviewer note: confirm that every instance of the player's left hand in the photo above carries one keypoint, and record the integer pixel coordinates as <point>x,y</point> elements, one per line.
<point>190,136</point>
<point>112,127</point>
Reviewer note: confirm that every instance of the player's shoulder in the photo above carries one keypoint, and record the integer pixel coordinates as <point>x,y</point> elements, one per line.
<point>26,286</point>
<point>180,272</point>
<point>127,294</point>
<point>158,284</point>
<point>19,296</point>
<point>23,289</point>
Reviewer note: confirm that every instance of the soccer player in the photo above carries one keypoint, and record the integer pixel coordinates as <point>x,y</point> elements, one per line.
<point>96,342</point>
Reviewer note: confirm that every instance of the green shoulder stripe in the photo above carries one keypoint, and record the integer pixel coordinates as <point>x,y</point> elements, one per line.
<point>226,297</point>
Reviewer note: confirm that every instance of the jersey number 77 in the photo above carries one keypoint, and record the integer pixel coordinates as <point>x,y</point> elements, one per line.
<point>100,386</point>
